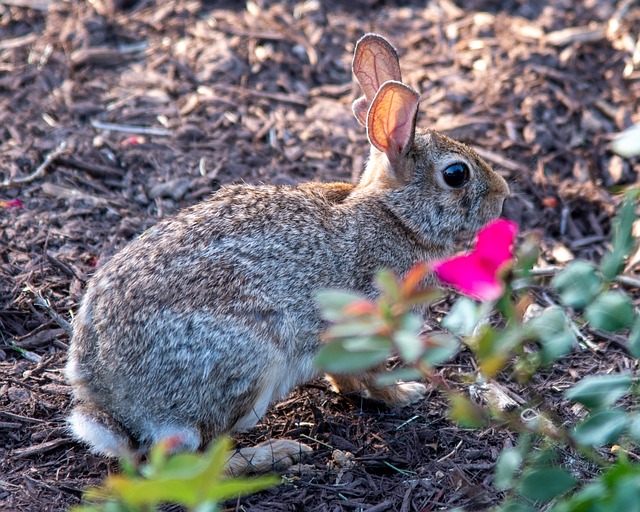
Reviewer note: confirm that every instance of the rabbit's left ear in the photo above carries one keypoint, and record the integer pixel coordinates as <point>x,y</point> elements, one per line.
<point>391,120</point>
<point>375,62</point>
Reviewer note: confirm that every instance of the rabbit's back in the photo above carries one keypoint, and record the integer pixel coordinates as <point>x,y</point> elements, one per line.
<point>191,319</point>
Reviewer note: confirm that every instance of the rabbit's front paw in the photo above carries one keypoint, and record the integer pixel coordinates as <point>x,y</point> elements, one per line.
<point>410,393</point>
<point>275,455</point>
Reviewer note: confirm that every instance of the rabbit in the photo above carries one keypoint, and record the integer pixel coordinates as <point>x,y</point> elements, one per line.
<point>195,327</point>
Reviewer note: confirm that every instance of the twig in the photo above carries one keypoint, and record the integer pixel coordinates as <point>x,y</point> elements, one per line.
<point>128,128</point>
<point>625,280</point>
<point>40,301</point>
<point>62,148</point>
<point>42,5</point>
<point>17,42</point>
<point>22,453</point>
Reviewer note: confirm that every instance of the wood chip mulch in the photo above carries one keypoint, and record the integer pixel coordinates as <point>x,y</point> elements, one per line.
<point>115,113</point>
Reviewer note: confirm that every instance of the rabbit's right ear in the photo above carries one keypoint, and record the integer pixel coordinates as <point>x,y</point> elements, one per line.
<point>391,122</point>
<point>374,62</point>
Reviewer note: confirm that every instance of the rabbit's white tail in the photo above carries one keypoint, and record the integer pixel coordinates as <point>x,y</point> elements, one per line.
<point>101,432</point>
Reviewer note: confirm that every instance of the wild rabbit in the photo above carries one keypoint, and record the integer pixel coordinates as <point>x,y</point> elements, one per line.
<point>194,328</point>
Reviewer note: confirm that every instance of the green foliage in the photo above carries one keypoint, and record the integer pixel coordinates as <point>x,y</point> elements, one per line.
<point>622,243</point>
<point>509,462</point>
<point>604,427</point>
<point>366,332</point>
<point>610,311</point>
<point>196,481</point>
<point>600,391</point>
<point>545,484</point>
<point>578,284</point>
<point>555,336</point>
<point>617,489</point>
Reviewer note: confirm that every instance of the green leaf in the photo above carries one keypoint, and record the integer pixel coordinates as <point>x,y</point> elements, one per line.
<point>508,463</point>
<point>407,339</point>
<point>367,344</point>
<point>622,243</point>
<point>601,428</point>
<point>463,317</point>
<point>611,311</point>
<point>577,284</point>
<point>336,358</point>
<point>439,348</point>
<point>332,302</point>
<point>356,328</point>
<point>232,488</point>
<point>493,348</point>
<point>393,376</point>
<point>464,412</point>
<point>634,427</point>
<point>152,492</point>
<point>387,283</point>
<point>512,506</point>
<point>556,338</point>
<point>633,343</point>
<point>600,390</point>
<point>544,484</point>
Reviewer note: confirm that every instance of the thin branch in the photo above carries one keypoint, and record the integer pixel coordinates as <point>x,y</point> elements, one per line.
<point>62,148</point>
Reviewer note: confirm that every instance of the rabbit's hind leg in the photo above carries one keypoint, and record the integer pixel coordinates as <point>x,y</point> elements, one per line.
<point>275,455</point>
<point>397,394</point>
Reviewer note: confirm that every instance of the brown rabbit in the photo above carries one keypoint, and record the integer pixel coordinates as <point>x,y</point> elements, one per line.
<point>194,328</point>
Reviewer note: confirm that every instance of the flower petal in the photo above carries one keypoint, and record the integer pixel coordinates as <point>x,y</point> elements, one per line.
<point>495,242</point>
<point>470,275</point>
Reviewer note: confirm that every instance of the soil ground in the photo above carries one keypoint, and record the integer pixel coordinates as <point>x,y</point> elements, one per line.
<point>230,92</point>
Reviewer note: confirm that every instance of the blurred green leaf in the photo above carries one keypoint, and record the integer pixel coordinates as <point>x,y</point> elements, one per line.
<point>463,317</point>
<point>493,348</point>
<point>633,343</point>
<point>355,328</point>
<point>601,428</point>
<point>335,357</point>
<point>544,484</point>
<point>622,242</point>
<point>577,284</point>
<point>387,283</point>
<point>235,487</point>
<point>464,412</point>
<point>512,506</point>
<point>332,303</point>
<point>151,492</point>
<point>508,464</point>
<point>555,336</point>
<point>407,339</point>
<point>439,348</point>
<point>610,311</point>
<point>393,376</point>
<point>600,390</point>
<point>634,427</point>
<point>367,344</point>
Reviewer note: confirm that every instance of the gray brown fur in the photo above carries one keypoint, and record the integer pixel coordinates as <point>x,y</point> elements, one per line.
<point>201,322</point>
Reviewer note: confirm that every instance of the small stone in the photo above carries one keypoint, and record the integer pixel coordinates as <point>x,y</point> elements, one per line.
<point>19,395</point>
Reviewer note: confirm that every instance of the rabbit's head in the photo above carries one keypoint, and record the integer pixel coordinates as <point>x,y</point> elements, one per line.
<point>439,186</point>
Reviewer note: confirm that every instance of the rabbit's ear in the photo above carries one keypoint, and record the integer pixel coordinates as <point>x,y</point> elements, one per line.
<point>374,63</point>
<point>360,108</point>
<point>391,121</point>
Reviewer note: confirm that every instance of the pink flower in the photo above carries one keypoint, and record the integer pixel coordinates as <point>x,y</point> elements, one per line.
<point>477,274</point>
<point>14,203</point>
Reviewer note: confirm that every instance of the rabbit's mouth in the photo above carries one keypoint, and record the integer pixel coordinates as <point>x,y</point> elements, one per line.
<point>465,239</point>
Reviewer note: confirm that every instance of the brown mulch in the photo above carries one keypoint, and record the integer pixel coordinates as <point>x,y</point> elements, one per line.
<point>260,92</point>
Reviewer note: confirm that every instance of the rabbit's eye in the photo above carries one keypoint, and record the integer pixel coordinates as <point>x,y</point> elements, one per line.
<point>456,175</point>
